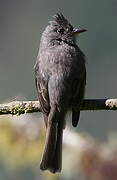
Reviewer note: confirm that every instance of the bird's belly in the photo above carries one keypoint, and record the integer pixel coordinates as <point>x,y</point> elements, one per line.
<point>59,87</point>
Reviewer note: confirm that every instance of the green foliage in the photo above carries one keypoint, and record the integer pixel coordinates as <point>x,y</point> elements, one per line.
<point>82,154</point>
<point>15,148</point>
<point>20,155</point>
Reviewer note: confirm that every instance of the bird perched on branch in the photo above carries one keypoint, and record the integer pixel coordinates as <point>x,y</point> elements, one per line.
<point>60,77</point>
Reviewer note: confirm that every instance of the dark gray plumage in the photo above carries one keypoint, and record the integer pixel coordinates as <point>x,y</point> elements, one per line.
<point>60,76</point>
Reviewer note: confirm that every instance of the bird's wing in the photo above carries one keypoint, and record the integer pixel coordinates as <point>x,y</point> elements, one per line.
<point>42,91</point>
<point>78,91</point>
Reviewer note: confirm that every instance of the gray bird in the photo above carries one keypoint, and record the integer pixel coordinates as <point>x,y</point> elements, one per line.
<point>60,76</point>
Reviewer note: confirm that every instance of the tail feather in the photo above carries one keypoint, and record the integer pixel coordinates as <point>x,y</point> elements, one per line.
<point>56,164</point>
<point>52,156</point>
<point>50,145</point>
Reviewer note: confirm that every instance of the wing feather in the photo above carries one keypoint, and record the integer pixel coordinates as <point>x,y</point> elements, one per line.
<point>42,91</point>
<point>78,91</point>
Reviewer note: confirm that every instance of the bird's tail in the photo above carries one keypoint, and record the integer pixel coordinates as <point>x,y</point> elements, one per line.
<point>52,156</point>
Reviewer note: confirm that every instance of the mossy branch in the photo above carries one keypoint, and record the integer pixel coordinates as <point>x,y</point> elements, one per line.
<point>21,107</point>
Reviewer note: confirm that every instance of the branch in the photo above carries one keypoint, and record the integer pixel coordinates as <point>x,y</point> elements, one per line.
<point>21,107</point>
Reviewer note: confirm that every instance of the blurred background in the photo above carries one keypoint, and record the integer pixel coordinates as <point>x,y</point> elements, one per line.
<point>92,155</point>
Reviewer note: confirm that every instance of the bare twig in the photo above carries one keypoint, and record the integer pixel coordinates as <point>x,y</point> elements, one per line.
<point>21,107</point>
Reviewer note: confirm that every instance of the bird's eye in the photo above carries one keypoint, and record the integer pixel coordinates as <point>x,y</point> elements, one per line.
<point>61,30</point>
<point>71,28</point>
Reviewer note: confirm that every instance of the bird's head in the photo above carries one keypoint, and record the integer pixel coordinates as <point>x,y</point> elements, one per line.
<point>61,30</point>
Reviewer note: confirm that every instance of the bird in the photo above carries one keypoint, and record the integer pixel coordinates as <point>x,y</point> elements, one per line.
<point>60,77</point>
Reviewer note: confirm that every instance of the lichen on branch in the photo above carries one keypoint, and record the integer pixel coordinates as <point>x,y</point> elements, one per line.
<point>22,107</point>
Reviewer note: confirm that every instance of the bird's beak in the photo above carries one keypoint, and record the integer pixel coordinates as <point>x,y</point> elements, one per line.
<point>78,31</point>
